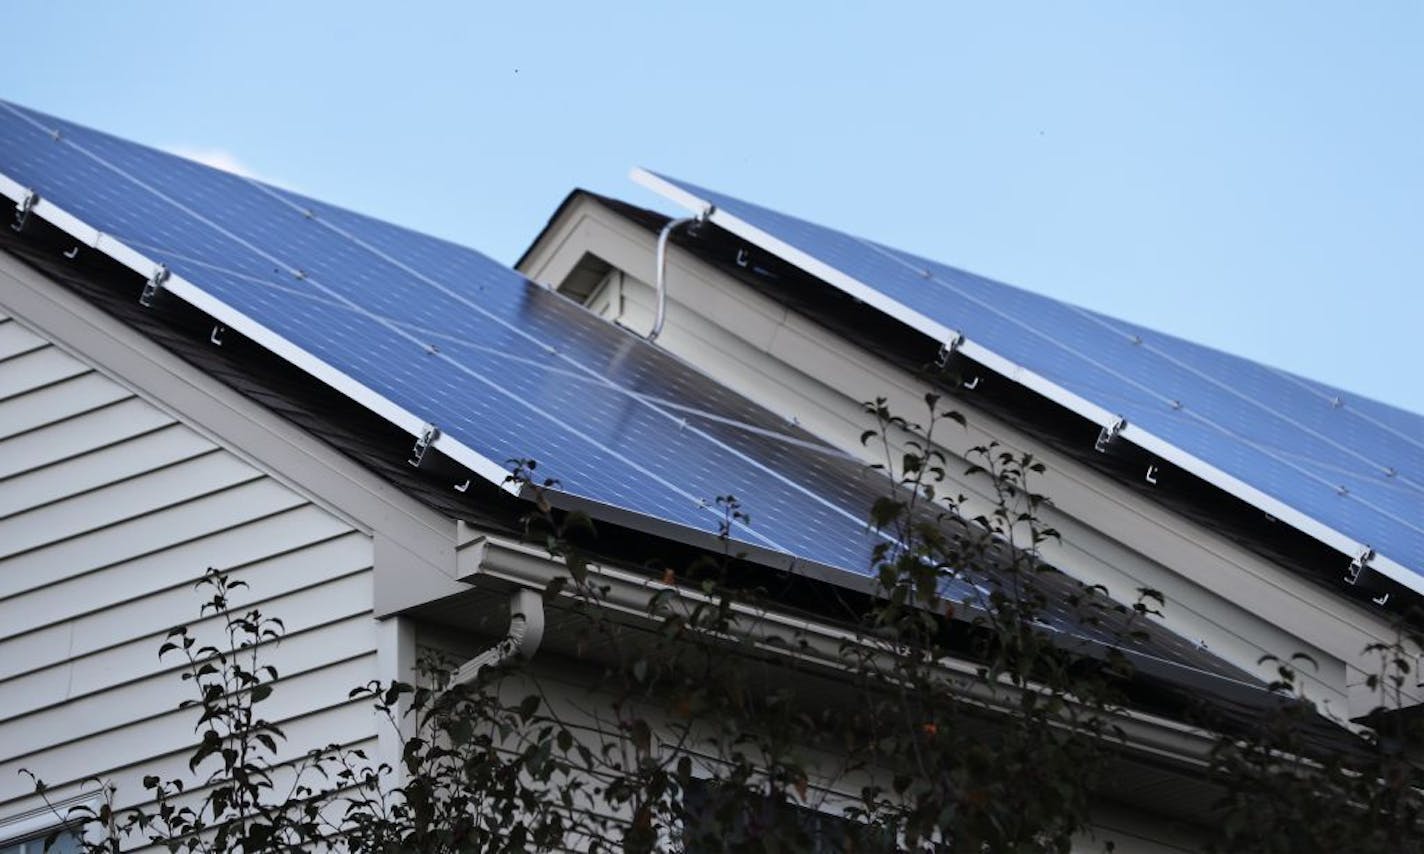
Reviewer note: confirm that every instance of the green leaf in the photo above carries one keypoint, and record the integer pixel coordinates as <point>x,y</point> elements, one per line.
<point>885,510</point>
<point>578,567</point>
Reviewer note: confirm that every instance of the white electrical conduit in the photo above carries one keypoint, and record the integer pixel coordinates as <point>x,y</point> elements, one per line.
<point>660,285</point>
<point>661,282</point>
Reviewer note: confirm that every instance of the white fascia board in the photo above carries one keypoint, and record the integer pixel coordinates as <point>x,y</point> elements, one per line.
<point>239,322</point>
<point>1036,382</point>
<point>48,817</point>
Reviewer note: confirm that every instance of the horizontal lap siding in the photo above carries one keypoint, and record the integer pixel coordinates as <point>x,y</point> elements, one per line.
<point>95,422</point>
<point>110,510</point>
<point>16,340</point>
<point>37,369</point>
<point>59,402</point>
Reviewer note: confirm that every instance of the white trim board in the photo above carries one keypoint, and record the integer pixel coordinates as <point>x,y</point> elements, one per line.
<point>1017,373</point>
<point>42,819</point>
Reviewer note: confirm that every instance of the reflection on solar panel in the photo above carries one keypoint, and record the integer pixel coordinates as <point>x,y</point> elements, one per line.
<point>1347,470</point>
<point>429,333</point>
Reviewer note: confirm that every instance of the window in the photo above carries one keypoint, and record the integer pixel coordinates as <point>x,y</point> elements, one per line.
<point>25,833</point>
<point>65,843</point>
<point>715,823</point>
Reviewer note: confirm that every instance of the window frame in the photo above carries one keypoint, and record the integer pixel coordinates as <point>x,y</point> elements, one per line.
<point>35,824</point>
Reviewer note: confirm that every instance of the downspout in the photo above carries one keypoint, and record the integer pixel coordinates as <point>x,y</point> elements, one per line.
<point>660,285</point>
<point>526,630</point>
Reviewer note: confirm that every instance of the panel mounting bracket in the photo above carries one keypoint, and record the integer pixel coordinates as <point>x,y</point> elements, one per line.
<point>422,444</point>
<point>948,348</point>
<point>23,208</point>
<point>1108,433</point>
<point>1359,565</point>
<point>150,288</point>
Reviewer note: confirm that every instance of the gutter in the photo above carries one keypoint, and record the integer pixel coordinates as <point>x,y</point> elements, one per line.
<point>792,639</point>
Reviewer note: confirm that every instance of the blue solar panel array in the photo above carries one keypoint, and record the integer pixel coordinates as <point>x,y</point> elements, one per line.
<point>506,367</point>
<point>1351,463</point>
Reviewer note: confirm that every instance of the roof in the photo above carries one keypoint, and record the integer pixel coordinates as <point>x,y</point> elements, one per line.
<point>447,344</point>
<point>1344,469</point>
<point>340,322</point>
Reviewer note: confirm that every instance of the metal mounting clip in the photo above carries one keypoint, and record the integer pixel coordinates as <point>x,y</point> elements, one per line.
<point>1359,565</point>
<point>23,208</point>
<point>150,288</point>
<point>700,219</point>
<point>1108,433</point>
<point>422,444</point>
<point>947,349</point>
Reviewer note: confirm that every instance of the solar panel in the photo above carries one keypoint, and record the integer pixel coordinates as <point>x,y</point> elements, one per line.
<point>426,332</point>
<point>1345,469</point>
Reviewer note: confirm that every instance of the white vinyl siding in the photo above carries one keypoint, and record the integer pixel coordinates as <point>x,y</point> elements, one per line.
<point>110,510</point>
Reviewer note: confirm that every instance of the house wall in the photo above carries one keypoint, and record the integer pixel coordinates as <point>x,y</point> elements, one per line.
<point>572,689</point>
<point>125,474</point>
<point>1238,604</point>
<point>1156,794</point>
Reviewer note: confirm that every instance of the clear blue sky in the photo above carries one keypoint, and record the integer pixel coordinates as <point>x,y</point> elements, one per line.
<point>1248,175</point>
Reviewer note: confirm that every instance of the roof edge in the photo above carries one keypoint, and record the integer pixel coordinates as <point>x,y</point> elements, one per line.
<point>1349,547</point>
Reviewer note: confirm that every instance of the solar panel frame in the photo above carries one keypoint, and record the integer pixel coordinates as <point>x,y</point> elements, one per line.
<point>144,261</point>
<point>147,261</point>
<point>88,236</point>
<point>1349,546</point>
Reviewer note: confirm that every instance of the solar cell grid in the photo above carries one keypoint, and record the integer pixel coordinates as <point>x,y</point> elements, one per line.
<point>497,363</point>
<point>1341,467</point>
<point>423,330</point>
